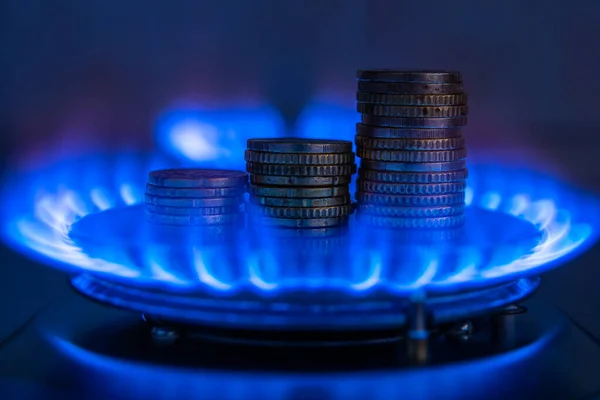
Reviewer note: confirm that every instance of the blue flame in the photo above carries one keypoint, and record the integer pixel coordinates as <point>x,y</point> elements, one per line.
<point>40,211</point>
<point>214,137</point>
<point>82,215</point>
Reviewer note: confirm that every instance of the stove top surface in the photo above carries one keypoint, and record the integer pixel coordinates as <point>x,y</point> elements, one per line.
<point>77,349</point>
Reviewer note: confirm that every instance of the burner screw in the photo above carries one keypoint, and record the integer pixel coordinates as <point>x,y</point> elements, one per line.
<point>504,326</point>
<point>460,332</point>
<point>418,334</point>
<point>513,309</point>
<point>164,335</point>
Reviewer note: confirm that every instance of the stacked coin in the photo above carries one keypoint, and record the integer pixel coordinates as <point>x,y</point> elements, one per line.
<point>413,171</point>
<point>195,197</point>
<point>299,183</point>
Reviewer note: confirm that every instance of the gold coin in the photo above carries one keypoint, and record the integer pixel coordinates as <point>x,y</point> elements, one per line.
<point>300,170</point>
<point>365,142</point>
<point>300,180</point>
<point>288,202</point>
<point>412,111</point>
<point>299,158</point>
<point>412,156</point>
<point>411,188</point>
<point>302,212</point>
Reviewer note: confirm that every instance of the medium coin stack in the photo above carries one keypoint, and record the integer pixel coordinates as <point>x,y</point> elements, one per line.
<point>299,183</point>
<point>195,197</point>
<point>413,156</point>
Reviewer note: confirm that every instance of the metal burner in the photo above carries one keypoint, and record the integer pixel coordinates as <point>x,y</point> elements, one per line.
<point>82,217</point>
<point>300,312</point>
<point>115,353</point>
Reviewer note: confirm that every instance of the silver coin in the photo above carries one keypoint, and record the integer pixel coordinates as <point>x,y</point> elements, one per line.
<point>417,223</point>
<point>194,219</point>
<point>418,122</point>
<point>410,212</point>
<point>412,111</point>
<point>302,212</point>
<point>194,210</point>
<point>287,202</point>
<point>297,145</point>
<point>413,177</point>
<point>410,201</point>
<point>300,170</point>
<point>366,142</point>
<point>421,156</point>
<point>191,202</point>
<point>410,88</point>
<point>413,167</point>
<point>299,158</point>
<point>389,75</point>
<point>407,133</point>
<point>299,192</point>
<point>411,188</point>
<point>197,193</point>
<point>300,180</point>
<point>299,222</point>
<point>413,99</point>
<point>197,178</point>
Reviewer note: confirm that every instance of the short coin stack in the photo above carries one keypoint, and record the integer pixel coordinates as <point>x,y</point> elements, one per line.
<point>413,168</point>
<point>195,197</point>
<point>299,183</point>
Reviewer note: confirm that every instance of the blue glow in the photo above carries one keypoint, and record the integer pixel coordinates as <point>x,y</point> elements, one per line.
<point>83,215</point>
<point>473,379</point>
<point>326,121</point>
<point>215,137</point>
<point>39,222</point>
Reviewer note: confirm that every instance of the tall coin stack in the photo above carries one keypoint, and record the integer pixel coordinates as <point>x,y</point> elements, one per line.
<point>299,183</point>
<point>413,157</point>
<point>195,197</point>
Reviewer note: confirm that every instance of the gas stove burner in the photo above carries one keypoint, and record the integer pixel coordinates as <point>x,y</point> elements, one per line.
<point>266,279</point>
<point>115,353</point>
<point>496,333</point>
<point>165,332</point>
<point>83,217</point>
<point>324,312</point>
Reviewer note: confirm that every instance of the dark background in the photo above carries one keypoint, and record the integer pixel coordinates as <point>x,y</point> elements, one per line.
<point>79,75</point>
<point>83,73</point>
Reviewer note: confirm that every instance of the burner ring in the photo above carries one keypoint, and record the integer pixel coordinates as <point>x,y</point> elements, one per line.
<point>384,313</point>
<point>49,223</point>
<point>114,353</point>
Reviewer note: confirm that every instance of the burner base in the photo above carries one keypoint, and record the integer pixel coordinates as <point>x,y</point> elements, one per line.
<point>301,312</point>
<point>494,334</point>
<point>166,332</point>
<point>129,340</point>
<point>91,351</point>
